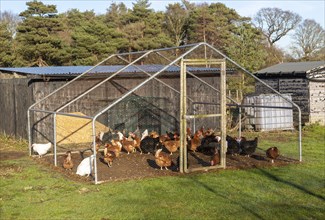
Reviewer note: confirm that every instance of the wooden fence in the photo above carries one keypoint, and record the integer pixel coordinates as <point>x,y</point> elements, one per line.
<point>15,98</point>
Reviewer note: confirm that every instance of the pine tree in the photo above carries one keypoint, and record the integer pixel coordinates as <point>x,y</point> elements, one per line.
<point>212,24</point>
<point>144,28</point>
<point>92,39</point>
<point>38,42</point>
<point>6,45</point>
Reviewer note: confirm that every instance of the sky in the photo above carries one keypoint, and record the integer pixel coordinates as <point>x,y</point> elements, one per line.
<point>312,9</point>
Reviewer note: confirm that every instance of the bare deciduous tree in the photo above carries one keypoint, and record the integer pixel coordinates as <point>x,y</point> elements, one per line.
<point>276,23</point>
<point>175,20</point>
<point>11,20</point>
<point>309,39</point>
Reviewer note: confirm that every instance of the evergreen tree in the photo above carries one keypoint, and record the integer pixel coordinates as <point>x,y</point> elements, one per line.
<point>212,24</point>
<point>38,42</point>
<point>116,15</point>
<point>92,39</point>
<point>6,45</point>
<point>246,47</point>
<point>143,28</point>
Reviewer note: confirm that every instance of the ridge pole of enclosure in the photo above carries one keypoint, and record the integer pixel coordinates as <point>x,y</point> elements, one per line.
<point>158,80</point>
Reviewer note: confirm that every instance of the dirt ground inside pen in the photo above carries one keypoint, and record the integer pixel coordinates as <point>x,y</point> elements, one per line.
<point>139,166</point>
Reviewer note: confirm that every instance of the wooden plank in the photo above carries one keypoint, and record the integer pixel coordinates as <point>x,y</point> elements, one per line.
<point>7,107</point>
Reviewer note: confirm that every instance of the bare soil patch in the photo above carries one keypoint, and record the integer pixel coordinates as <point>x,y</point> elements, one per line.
<point>11,155</point>
<point>139,166</point>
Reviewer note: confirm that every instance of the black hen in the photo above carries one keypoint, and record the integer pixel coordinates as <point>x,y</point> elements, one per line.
<point>248,147</point>
<point>149,144</point>
<point>209,144</point>
<point>233,146</point>
<point>172,136</point>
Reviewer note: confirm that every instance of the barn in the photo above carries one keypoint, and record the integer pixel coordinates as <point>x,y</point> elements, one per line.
<point>304,81</point>
<point>21,87</point>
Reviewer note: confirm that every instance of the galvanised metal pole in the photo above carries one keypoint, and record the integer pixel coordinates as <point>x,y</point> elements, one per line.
<point>102,82</point>
<point>68,83</point>
<point>128,93</point>
<point>300,138</point>
<point>54,139</point>
<point>158,80</point>
<point>160,49</point>
<point>239,123</point>
<point>145,81</point>
<point>94,150</point>
<point>108,58</point>
<point>194,120</point>
<point>94,118</point>
<point>202,81</point>
<point>29,133</point>
<point>62,113</point>
<point>55,91</point>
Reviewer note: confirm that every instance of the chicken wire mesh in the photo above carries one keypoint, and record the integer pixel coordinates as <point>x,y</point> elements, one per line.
<point>141,91</point>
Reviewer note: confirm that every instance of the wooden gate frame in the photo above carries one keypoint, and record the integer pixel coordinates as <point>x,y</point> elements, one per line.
<point>183,114</point>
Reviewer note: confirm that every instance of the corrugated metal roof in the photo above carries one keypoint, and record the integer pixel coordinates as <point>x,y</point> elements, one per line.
<point>290,68</point>
<point>77,70</point>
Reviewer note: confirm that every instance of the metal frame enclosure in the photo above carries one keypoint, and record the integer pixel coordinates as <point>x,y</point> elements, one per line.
<point>184,116</point>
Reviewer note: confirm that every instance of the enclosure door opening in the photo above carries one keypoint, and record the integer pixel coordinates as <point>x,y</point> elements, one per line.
<point>184,116</point>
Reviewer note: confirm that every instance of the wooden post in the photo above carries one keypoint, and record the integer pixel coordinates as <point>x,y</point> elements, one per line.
<point>223,114</point>
<point>182,117</point>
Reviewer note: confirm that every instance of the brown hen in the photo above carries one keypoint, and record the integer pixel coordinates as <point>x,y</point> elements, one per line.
<point>162,159</point>
<point>67,163</point>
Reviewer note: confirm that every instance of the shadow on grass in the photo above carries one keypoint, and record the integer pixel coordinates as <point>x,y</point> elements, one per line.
<point>210,189</point>
<point>277,179</point>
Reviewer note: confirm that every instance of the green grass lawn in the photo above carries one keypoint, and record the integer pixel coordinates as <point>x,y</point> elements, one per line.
<point>297,191</point>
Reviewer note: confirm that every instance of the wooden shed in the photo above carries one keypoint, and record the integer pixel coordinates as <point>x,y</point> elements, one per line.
<point>21,87</point>
<point>304,81</point>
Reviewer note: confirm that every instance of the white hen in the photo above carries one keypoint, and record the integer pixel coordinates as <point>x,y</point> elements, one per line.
<point>86,166</point>
<point>144,134</point>
<point>41,149</point>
